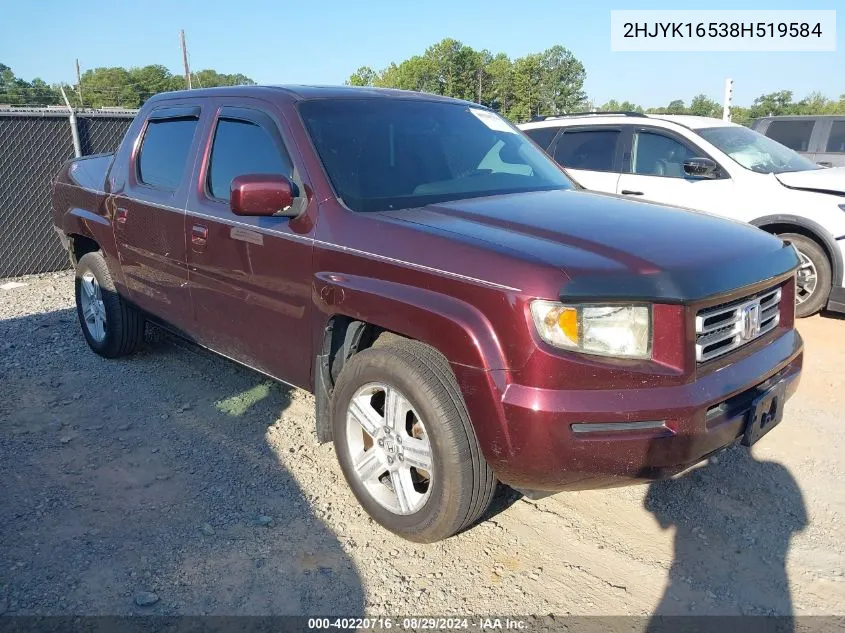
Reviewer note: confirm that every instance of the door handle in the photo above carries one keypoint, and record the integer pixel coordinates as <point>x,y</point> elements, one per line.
<point>628,192</point>
<point>120,216</point>
<point>199,235</point>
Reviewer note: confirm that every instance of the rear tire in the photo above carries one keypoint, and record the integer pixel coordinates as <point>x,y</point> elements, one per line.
<point>814,275</point>
<point>111,326</point>
<point>458,486</point>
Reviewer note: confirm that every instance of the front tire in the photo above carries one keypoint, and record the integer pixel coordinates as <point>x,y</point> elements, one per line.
<point>813,280</point>
<point>111,326</point>
<point>405,442</point>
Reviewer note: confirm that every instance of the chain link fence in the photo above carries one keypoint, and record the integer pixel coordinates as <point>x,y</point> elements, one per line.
<point>34,143</point>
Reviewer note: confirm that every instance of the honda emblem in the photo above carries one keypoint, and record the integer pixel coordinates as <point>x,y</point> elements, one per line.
<point>750,321</point>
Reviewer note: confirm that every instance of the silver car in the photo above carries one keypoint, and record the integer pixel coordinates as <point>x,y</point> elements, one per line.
<point>821,138</point>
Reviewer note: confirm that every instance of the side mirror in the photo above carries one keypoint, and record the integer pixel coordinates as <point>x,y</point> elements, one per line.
<point>704,168</point>
<point>261,194</point>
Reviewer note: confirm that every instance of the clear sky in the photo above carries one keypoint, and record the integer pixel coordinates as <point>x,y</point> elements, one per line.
<point>325,41</point>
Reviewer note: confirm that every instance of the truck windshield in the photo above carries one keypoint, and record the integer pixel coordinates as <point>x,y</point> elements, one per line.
<point>383,154</point>
<point>754,151</point>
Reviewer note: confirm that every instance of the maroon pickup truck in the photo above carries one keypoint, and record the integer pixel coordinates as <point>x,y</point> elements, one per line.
<point>464,313</point>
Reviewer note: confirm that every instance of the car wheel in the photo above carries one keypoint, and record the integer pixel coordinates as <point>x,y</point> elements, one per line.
<point>111,326</point>
<point>405,442</point>
<point>813,279</point>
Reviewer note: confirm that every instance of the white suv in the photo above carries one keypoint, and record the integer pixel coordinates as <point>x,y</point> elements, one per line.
<point>718,167</point>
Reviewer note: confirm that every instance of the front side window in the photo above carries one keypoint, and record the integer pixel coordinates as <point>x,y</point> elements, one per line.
<point>659,155</point>
<point>794,134</point>
<point>382,153</point>
<point>241,147</point>
<point>836,140</point>
<point>754,151</point>
<point>592,150</point>
<point>164,151</point>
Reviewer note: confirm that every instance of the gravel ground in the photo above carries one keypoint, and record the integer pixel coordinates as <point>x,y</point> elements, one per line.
<point>175,482</point>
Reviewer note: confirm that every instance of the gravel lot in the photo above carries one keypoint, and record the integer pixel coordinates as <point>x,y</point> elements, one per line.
<point>175,482</point>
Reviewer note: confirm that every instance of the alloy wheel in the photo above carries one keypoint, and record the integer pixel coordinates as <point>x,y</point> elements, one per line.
<point>93,309</point>
<point>806,279</point>
<point>390,448</point>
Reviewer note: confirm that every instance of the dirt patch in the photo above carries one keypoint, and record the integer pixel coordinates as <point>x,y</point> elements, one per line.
<point>177,473</point>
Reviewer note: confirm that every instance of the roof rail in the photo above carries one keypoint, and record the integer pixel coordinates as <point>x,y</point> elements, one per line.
<point>605,112</point>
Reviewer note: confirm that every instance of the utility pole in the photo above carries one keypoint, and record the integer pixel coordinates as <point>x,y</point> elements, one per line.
<point>185,59</point>
<point>729,94</point>
<point>74,131</point>
<point>79,83</point>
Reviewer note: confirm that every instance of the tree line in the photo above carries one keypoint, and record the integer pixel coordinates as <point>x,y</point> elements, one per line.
<point>551,82</point>
<point>540,83</point>
<point>545,83</point>
<point>772,104</point>
<point>114,86</point>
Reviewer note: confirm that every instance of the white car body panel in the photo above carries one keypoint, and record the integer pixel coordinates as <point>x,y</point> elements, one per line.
<point>604,181</point>
<point>744,195</point>
<point>832,179</point>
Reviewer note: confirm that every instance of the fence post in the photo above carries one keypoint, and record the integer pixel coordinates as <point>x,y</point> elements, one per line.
<point>74,131</point>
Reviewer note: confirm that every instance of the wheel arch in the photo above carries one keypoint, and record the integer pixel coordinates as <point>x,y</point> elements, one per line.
<point>361,310</point>
<point>81,245</point>
<point>782,223</point>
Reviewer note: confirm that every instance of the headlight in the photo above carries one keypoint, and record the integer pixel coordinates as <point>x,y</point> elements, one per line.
<point>608,330</point>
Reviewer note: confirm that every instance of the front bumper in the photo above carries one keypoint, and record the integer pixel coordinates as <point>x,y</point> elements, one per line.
<point>540,451</point>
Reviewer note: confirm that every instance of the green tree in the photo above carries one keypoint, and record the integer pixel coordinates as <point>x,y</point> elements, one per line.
<point>212,79</point>
<point>527,99</point>
<point>550,82</point>
<point>149,80</point>
<point>676,107</point>
<point>364,76</point>
<point>614,106</point>
<point>17,91</point>
<point>702,105</point>
<point>111,86</point>
<point>815,103</point>
<point>561,81</point>
<point>129,88</point>
<point>773,104</point>
<point>499,70</point>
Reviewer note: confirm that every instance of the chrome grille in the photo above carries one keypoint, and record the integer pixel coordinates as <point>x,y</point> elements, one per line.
<point>723,328</point>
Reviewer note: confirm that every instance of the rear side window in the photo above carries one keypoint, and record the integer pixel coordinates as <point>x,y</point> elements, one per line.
<point>164,151</point>
<point>836,140</point>
<point>587,149</point>
<point>794,134</point>
<point>543,136</point>
<point>241,147</point>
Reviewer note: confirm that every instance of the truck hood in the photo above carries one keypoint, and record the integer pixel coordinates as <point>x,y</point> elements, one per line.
<point>614,247</point>
<point>831,180</point>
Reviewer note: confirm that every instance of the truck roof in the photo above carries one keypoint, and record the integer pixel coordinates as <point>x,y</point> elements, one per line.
<point>303,92</point>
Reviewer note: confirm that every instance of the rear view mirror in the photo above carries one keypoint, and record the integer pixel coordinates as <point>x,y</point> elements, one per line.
<point>261,195</point>
<point>701,168</point>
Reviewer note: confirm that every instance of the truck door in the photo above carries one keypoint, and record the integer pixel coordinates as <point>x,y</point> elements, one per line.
<point>149,214</point>
<point>250,277</point>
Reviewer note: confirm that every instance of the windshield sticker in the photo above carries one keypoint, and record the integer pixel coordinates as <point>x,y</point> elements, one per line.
<point>492,121</point>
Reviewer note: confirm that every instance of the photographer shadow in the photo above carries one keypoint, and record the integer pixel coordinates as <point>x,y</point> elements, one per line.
<point>734,518</point>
